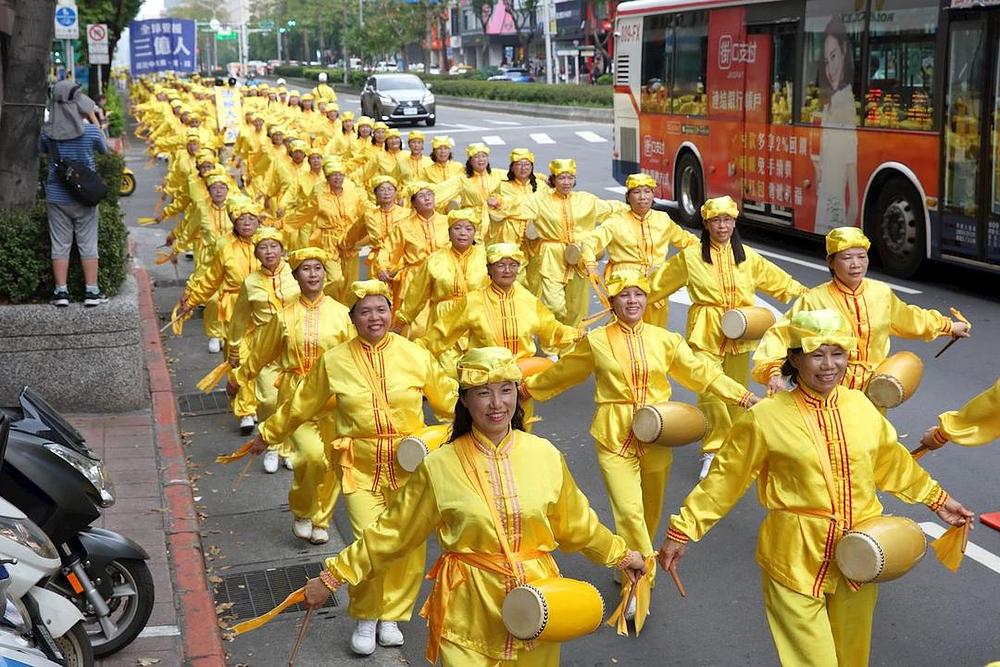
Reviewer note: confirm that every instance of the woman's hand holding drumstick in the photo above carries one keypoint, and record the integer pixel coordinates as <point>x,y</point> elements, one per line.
<point>670,555</point>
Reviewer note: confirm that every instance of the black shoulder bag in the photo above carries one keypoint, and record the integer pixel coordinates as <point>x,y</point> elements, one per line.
<point>83,183</point>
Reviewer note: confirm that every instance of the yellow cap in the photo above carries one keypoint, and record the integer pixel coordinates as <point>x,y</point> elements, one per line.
<point>215,177</point>
<point>308,97</point>
<point>333,165</point>
<point>617,282</point>
<point>498,251</point>
<point>330,106</point>
<point>716,206</point>
<point>206,155</point>
<point>193,134</point>
<point>175,102</point>
<point>566,166</point>
<point>242,205</point>
<point>442,141</point>
<point>380,126</point>
<point>293,93</point>
<point>298,145</point>
<point>347,115</point>
<point>362,288</point>
<point>485,365</point>
<point>519,154</point>
<point>381,180</point>
<point>275,129</point>
<point>393,132</point>
<point>262,233</point>
<point>809,329</point>
<point>475,148</point>
<point>467,214</point>
<point>845,238</point>
<point>416,186</point>
<point>640,181</point>
<point>415,134</point>
<point>296,257</point>
<point>365,120</point>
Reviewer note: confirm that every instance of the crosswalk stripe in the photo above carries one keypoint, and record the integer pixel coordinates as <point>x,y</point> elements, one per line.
<point>501,122</point>
<point>493,140</point>
<point>542,138</point>
<point>592,137</point>
<point>618,189</point>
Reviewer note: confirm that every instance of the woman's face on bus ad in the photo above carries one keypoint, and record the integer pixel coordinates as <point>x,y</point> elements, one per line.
<point>833,60</point>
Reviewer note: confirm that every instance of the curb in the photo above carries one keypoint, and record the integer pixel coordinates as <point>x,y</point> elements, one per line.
<point>200,630</point>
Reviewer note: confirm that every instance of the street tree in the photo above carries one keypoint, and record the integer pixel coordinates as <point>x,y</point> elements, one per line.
<point>25,95</point>
<point>599,11</point>
<point>483,9</point>
<point>116,14</point>
<point>523,15</point>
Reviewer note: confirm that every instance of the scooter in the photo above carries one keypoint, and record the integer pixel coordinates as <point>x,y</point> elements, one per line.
<point>51,475</point>
<point>17,643</point>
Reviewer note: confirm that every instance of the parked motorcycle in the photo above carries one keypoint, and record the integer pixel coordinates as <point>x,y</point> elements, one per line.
<point>52,475</point>
<point>17,643</point>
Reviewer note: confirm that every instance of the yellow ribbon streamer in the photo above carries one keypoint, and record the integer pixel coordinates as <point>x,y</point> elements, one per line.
<point>237,455</point>
<point>950,547</point>
<point>163,256</point>
<point>146,220</point>
<point>957,314</point>
<point>295,597</point>
<point>207,383</point>
<point>641,590</point>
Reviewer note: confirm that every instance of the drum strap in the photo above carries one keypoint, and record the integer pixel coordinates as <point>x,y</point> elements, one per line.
<point>824,458</point>
<point>619,348</point>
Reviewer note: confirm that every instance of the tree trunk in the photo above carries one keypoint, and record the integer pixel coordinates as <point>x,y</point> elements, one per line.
<point>305,47</point>
<point>25,94</point>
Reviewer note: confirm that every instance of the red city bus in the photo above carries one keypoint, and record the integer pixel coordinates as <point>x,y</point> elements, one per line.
<point>821,113</point>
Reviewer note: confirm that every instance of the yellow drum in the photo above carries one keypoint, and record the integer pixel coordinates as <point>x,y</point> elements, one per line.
<point>556,609</point>
<point>895,379</point>
<point>530,231</point>
<point>412,449</point>
<point>670,424</point>
<point>534,365</point>
<point>747,323</point>
<point>572,253</point>
<point>882,548</point>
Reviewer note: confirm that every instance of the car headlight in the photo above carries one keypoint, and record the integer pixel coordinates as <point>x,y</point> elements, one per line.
<point>28,535</point>
<point>428,99</point>
<point>385,99</point>
<point>95,471</point>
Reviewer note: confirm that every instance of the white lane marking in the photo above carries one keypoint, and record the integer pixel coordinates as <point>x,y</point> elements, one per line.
<point>493,140</point>
<point>825,269</point>
<point>682,297</point>
<point>618,189</point>
<point>592,137</point>
<point>501,122</point>
<point>973,551</point>
<point>542,138</point>
<point>504,129</point>
<point>463,126</point>
<point>159,631</point>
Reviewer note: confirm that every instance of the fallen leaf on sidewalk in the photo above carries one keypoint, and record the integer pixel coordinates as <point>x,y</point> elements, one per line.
<point>146,662</point>
<point>224,607</point>
<point>215,579</point>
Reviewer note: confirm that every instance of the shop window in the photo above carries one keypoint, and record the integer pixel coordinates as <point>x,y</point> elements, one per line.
<point>901,65</point>
<point>657,61</point>
<point>690,62</point>
<point>831,67</point>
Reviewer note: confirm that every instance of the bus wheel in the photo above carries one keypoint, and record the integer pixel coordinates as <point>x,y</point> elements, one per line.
<point>897,227</point>
<point>689,189</point>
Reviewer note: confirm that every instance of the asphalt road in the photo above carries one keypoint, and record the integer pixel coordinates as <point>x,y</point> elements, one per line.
<point>930,617</point>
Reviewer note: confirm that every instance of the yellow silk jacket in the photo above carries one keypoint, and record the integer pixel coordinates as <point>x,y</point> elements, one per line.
<point>717,287</point>
<point>507,225</point>
<point>369,421</point>
<point>975,423</point>
<point>778,443</point>
<point>411,168</point>
<point>651,356</point>
<point>636,244</point>
<point>324,219</point>
<point>538,503</point>
<point>874,313</point>
<point>441,281</point>
<point>437,173</point>
<point>181,167</point>
<point>208,222</point>
<point>492,317</point>
<point>378,224</point>
<point>263,295</point>
<point>411,240</point>
<point>230,264</point>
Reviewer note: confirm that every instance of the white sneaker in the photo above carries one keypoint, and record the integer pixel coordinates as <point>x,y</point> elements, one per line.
<point>189,255</point>
<point>270,461</point>
<point>319,535</point>
<point>287,462</point>
<point>302,528</point>
<point>246,425</point>
<point>706,463</point>
<point>363,638</point>
<point>630,610</point>
<point>553,358</point>
<point>214,345</point>
<point>389,634</point>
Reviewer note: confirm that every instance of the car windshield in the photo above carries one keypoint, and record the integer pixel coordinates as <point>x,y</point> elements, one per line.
<point>400,83</point>
<point>516,70</point>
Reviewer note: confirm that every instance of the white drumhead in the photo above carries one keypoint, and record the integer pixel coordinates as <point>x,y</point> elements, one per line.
<point>410,453</point>
<point>859,557</point>
<point>524,612</point>
<point>885,391</point>
<point>530,231</point>
<point>734,324</point>
<point>647,424</point>
<point>572,254</point>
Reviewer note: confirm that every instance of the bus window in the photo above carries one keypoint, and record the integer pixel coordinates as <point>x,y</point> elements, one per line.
<point>831,67</point>
<point>996,139</point>
<point>657,61</point>
<point>783,76</point>
<point>691,61</point>
<point>966,81</point>
<point>900,93</point>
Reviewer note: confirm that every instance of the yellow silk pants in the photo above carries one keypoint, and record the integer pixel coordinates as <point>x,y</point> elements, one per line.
<point>391,595</point>
<point>315,485</point>
<point>636,487</point>
<point>567,301</point>
<point>545,654</point>
<point>532,278</point>
<point>213,326</point>
<point>350,266</point>
<point>265,393</point>
<point>720,416</point>
<point>832,631</point>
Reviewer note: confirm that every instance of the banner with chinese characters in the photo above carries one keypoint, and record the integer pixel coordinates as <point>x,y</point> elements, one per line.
<point>728,56</point>
<point>161,45</point>
<point>228,112</point>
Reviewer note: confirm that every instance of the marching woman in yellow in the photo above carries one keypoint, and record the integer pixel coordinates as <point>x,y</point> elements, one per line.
<point>442,167</point>
<point>362,149</point>
<point>310,325</point>
<point>508,224</point>
<point>500,502</point>
<point>446,276</point>
<point>975,423</point>
<point>416,162</point>
<point>632,362</point>
<point>340,143</point>
<point>266,292</point>
<point>564,216</point>
<point>374,385</point>
<point>720,273</point>
<point>638,239</point>
<point>411,240</point>
<point>477,187</point>
<point>819,454</point>
<point>871,308</point>
<point>380,219</point>
<point>389,161</point>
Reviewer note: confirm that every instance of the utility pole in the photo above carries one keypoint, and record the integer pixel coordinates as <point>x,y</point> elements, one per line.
<point>244,42</point>
<point>547,17</point>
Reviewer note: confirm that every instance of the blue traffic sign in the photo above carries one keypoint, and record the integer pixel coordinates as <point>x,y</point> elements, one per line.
<point>65,15</point>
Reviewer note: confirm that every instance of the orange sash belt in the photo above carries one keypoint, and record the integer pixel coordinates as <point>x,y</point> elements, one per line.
<point>448,575</point>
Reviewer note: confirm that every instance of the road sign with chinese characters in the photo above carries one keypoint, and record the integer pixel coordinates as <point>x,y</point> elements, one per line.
<point>160,45</point>
<point>97,44</point>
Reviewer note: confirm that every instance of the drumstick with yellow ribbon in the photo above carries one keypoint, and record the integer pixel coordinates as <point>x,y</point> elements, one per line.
<point>954,339</point>
<point>295,597</point>
<point>176,322</point>
<point>240,453</point>
<point>639,590</point>
<point>302,635</point>
<point>950,547</point>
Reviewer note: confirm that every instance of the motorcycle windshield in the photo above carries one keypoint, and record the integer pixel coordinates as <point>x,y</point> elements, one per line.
<point>36,407</point>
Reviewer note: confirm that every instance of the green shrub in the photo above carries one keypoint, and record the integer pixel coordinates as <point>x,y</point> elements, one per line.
<point>113,107</point>
<point>605,80</point>
<point>536,93</point>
